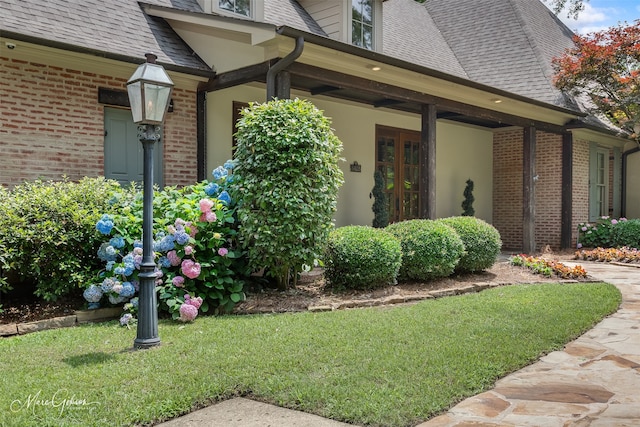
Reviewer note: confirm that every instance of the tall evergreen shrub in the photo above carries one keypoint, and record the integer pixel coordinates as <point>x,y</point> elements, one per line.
<point>380,205</point>
<point>287,176</point>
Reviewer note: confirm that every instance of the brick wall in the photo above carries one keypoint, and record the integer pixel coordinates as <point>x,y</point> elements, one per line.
<point>580,186</point>
<point>508,193</point>
<point>52,125</point>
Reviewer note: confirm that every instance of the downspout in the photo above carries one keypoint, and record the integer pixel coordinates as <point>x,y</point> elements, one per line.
<point>624,180</point>
<point>281,65</point>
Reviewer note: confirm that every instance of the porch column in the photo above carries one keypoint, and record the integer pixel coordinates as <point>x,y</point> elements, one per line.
<point>567,191</point>
<point>428,162</point>
<point>528,190</point>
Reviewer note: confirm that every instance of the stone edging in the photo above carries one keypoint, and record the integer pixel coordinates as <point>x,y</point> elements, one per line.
<point>79,317</point>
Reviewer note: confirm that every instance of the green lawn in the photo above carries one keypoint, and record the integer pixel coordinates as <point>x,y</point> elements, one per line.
<point>379,366</point>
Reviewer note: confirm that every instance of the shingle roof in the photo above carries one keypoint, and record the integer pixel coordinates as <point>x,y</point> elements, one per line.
<point>410,34</point>
<point>114,27</point>
<point>507,44</point>
<point>290,13</point>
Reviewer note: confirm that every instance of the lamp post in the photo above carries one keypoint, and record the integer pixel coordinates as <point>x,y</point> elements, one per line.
<point>149,91</point>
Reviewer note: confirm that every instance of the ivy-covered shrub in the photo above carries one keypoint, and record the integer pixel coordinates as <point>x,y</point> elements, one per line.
<point>48,235</point>
<point>199,263</point>
<point>481,241</point>
<point>361,257</point>
<point>381,203</point>
<point>626,233</point>
<point>430,249</point>
<point>288,177</point>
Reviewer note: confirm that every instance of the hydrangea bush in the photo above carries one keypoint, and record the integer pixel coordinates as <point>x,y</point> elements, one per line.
<point>199,265</point>
<point>597,234</point>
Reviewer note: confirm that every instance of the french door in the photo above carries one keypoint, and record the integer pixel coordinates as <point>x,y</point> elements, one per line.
<point>398,159</point>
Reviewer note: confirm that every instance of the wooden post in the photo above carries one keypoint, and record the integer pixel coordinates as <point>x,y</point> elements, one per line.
<point>528,192</point>
<point>428,162</point>
<point>567,191</point>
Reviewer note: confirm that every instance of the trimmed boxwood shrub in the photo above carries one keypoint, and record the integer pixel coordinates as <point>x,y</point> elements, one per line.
<point>361,257</point>
<point>430,249</point>
<point>626,233</point>
<point>481,242</point>
<point>47,230</point>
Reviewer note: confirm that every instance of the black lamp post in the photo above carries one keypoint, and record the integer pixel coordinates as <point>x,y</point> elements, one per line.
<point>149,92</point>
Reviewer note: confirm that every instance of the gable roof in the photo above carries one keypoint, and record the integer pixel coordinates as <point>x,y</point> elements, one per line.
<point>117,29</point>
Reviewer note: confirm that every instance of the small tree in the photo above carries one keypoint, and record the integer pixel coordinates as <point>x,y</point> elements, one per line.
<point>287,176</point>
<point>380,204</point>
<point>467,203</point>
<point>605,66</point>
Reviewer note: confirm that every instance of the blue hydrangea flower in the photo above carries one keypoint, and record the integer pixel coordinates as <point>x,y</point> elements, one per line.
<point>116,299</point>
<point>119,270</point>
<point>125,319</point>
<point>128,270</point>
<point>230,179</point>
<point>212,189</point>
<point>128,259</point>
<point>109,265</point>
<point>107,285</point>
<point>224,198</point>
<point>92,294</point>
<point>181,238</point>
<point>134,302</point>
<point>93,305</point>
<point>219,173</point>
<point>105,224</point>
<point>137,244</point>
<point>164,261</point>
<point>165,244</point>
<point>229,164</point>
<point>127,290</point>
<point>106,254</point>
<point>117,242</point>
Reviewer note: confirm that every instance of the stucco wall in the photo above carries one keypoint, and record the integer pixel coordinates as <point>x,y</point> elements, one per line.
<point>462,152</point>
<point>51,124</point>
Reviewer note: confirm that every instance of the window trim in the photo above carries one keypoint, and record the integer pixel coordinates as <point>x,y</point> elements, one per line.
<point>256,10</point>
<point>376,25</point>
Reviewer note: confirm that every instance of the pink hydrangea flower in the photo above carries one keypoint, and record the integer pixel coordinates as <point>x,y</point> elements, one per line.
<point>223,251</point>
<point>188,312</point>
<point>137,251</point>
<point>579,245</point>
<point>196,302</point>
<point>193,230</point>
<point>190,268</point>
<point>614,221</point>
<point>178,281</point>
<point>208,217</point>
<point>173,257</point>
<point>206,205</point>
<point>188,250</point>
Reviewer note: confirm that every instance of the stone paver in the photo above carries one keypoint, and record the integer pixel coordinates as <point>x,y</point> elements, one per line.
<point>593,382</point>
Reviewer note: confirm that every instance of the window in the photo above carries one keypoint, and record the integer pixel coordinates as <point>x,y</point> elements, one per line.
<point>362,23</point>
<point>599,182</point>
<point>239,7</point>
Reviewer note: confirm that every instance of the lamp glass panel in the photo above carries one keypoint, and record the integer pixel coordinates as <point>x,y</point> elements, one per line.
<point>156,100</point>
<point>135,100</point>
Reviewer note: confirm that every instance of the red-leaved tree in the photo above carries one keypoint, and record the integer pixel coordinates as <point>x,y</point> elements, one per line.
<point>606,67</point>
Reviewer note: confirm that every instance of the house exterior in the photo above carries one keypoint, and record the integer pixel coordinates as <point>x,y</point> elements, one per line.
<point>429,94</point>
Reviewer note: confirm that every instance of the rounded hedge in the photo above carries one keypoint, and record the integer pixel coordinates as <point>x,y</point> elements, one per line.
<point>430,249</point>
<point>362,257</point>
<point>481,242</point>
<point>626,233</point>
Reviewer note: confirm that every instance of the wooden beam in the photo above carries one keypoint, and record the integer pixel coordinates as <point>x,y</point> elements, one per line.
<point>528,190</point>
<point>428,162</point>
<point>385,90</point>
<point>386,103</point>
<point>251,73</point>
<point>323,89</point>
<point>567,191</point>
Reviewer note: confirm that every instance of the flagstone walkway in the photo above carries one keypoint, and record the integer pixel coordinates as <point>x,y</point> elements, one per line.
<point>593,382</point>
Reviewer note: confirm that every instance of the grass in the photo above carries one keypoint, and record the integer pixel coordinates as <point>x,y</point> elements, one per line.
<point>380,366</point>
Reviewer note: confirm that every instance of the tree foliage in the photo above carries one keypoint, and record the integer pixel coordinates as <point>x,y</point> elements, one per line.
<point>287,176</point>
<point>467,203</point>
<point>606,67</point>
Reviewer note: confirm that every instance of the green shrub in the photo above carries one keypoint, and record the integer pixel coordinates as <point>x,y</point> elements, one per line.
<point>381,203</point>
<point>287,176</point>
<point>48,234</point>
<point>361,257</point>
<point>481,242</point>
<point>598,234</point>
<point>627,233</point>
<point>430,249</point>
